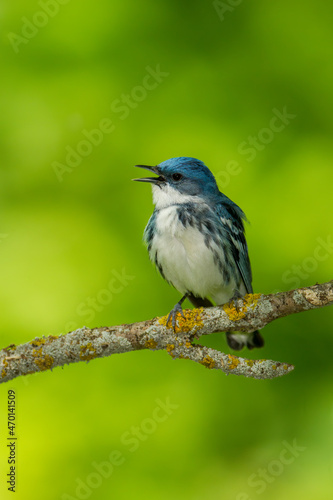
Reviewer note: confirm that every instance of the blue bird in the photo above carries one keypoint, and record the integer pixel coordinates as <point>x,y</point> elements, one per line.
<point>195,237</point>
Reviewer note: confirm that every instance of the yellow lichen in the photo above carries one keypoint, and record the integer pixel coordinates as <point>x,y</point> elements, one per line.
<point>285,367</point>
<point>191,322</point>
<point>11,347</point>
<point>188,344</point>
<point>233,361</point>
<point>37,342</point>
<point>208,362</point>
<point>87,352</point>
<point>182,356</point>
<point>234,313</point>
<point>170,347</point>
<point>273,367</point>
<point>151,344</point>
<point>249,362</point>
<point>43,361</point>
<point>4,372</point>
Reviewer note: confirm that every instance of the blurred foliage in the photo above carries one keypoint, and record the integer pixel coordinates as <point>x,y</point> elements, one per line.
<point>63,238</point>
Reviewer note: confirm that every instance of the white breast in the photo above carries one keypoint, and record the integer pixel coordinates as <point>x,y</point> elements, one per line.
<point>186,261</point>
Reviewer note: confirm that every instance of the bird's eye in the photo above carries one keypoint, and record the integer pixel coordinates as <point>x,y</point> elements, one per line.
<point>177,177</point>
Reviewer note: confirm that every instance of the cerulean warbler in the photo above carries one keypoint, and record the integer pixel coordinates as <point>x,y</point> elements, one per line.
<point>196,239</point>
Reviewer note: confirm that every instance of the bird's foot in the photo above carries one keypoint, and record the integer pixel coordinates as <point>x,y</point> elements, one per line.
<point>234,300</point>
<point>173,315</point>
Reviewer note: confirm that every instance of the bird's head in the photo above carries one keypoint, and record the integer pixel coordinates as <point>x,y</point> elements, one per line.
<point>181,180</point>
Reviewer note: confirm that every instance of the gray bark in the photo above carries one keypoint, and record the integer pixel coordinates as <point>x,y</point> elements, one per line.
<point>252,312</point>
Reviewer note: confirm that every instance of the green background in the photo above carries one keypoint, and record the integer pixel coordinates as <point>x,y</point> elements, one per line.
<point>62,240</point>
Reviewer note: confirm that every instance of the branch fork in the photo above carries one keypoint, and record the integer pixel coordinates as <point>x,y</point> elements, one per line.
<point>252,312</point>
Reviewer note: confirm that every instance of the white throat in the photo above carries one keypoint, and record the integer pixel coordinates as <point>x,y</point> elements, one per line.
<point>166,195</point>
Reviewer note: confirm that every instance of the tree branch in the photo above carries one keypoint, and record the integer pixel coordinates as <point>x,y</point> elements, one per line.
<point>246,315</point>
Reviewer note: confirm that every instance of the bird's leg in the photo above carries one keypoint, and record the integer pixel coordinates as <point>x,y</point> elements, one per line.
<point>175,310</point>
<point>237,295</point>
<point>233,301</point>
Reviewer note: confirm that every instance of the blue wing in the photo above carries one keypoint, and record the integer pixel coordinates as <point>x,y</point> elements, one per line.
<point>232,218</point>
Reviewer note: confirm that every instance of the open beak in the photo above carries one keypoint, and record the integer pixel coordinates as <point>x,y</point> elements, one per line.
<point>153,180</point>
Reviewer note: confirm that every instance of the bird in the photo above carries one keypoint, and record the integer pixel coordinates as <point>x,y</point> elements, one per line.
<point>196,239</point>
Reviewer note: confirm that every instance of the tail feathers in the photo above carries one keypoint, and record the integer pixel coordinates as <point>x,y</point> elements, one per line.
<point>237,341</point>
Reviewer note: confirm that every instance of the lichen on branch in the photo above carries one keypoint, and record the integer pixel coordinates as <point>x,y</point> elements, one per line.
<point>250,313</point>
